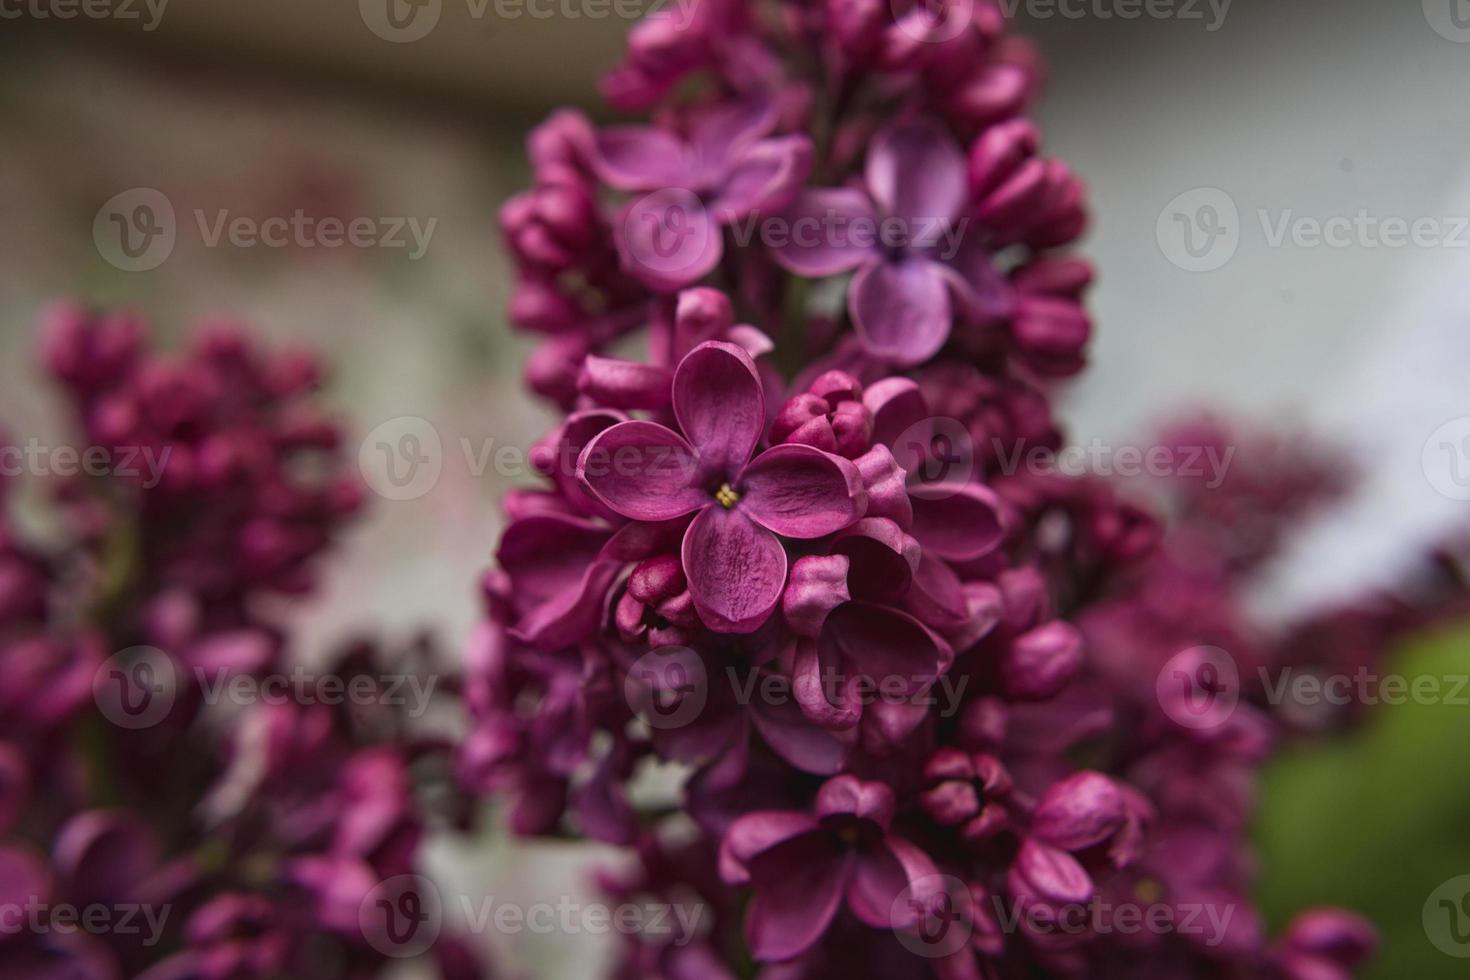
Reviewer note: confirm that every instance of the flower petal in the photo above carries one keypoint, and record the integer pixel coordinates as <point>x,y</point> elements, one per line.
<point>616,383</point>
<point>801,492</point>
<point>793,910</point>
<point>818,585</point>
<point>958,522</point>
<point>667,239</point>
<point>728,129</point>
<point>638,158</point>
<point>916,171</point>
<point>901,311</point>
<point>847,795</point>
<point>791,735</point>
<point>827,230</point>
<point>720,405</point>
<point>754,834</point>
<point>887,646</point>
<point>883,559</point>
<point>765,178</point>
<point>643,471</point>
<point>736,570</point>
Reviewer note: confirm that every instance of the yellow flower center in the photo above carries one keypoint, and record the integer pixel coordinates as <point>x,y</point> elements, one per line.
<point>727,496</point>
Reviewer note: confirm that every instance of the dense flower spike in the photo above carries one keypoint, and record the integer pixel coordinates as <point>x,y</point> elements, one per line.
<point>245,832</point>
<point>798,551</point>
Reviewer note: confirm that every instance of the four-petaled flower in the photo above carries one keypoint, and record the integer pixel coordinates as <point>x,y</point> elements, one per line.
<point>735,564</point>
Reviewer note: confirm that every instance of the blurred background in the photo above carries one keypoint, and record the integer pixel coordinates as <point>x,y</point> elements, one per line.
<point>1213,140</point>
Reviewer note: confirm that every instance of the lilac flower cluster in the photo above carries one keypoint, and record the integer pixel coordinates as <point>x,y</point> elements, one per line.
<point>870,650</point>
<point>204,838</point>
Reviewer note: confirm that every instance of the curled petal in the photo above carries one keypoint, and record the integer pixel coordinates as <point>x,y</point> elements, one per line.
<point>558,580</point>
<point>897,404</point>
<point>794,907</point>
<point>883,559</point>
<point>916,171</point>
<point>825,231</point>
<point>901,310</point>
<point>643,471</point>
<point>826,696</point>
<point>753,835</point>
<point>818,585</point>
<point>1042,661</point>
<point>1084,809</point>
<point>736,570</point>
<point>720,404</point>
<point>886,485</point>
<point>957,522</point>
<point>887,646</point>
<point>1048,874</point>
<point>802,492</point>
<point>615,383</point>
<point>847,795</point>
<point>765,178</point>
<point>638,158</point>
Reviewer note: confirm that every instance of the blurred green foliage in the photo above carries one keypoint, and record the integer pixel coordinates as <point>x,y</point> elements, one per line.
<point>1377,820</point>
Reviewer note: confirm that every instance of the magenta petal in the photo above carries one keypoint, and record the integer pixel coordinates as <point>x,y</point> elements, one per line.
<point>720,405</point>
<point>730,128</point>
<point>883,559</point>
<point>887,486</point>
<point>901,311</point>
<point>876,884</point>
<point>556,577</point>
<point>754,834</point>
<point>639,158</point>
<point>937,596</point>
<point>897,404</point>
<point>826,231</point>
<point>736,570</point>
<point>847,795</point>
<point>818,585</point>
<point>791,735</point>
<point>1084,809</point>
<point>793,910</point>
<point>801,492</point>
<point>667,239</point>
<point>826,696</point>
<point>916,171</point>
<point>884,643</point>
<point>765,178</point>
<point>643,471</point>
<point>957,522</point>
<point>615,383</point>
<point>1045,873</point>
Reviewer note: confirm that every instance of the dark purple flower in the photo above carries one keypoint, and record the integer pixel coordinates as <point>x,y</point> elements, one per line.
<point>803,868</point>
<point>732,557</point>
<point>916,266</point>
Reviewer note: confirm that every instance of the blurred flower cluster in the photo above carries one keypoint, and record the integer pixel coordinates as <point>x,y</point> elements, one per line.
<point>929,712</point>
<point>177,800</point>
